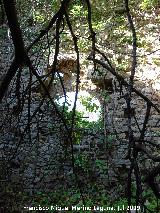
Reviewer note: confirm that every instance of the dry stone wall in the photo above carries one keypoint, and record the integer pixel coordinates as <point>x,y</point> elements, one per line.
<point>38,161</point>
<point>148,83</point>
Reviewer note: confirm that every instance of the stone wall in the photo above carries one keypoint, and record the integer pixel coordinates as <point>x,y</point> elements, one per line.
<point>36,154</point>
<point>146,82</point>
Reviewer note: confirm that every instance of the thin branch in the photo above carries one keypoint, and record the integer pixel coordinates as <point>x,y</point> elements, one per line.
<point>75,102</point>
<point>141,147</point>
<point>150,180</point>
<point>145,121</point>
<point>124,82</point>
<point>43,32</point>
<point>93,34</point>
<point>20,53</point>
<point>134,41</point>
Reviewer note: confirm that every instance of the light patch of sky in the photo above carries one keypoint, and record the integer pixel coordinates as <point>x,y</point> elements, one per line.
<point>90,116</point>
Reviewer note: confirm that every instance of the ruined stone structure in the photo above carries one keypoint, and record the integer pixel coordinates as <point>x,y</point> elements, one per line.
<point>147,81</point>
<point>39,159</point>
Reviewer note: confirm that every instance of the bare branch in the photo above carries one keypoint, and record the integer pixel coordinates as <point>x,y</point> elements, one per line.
<point>43,32</point>
<point>134,41</point>
<point>141,147</point>
<point>150,179</point>
<point>145,121</point>
<point>124,82</point>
